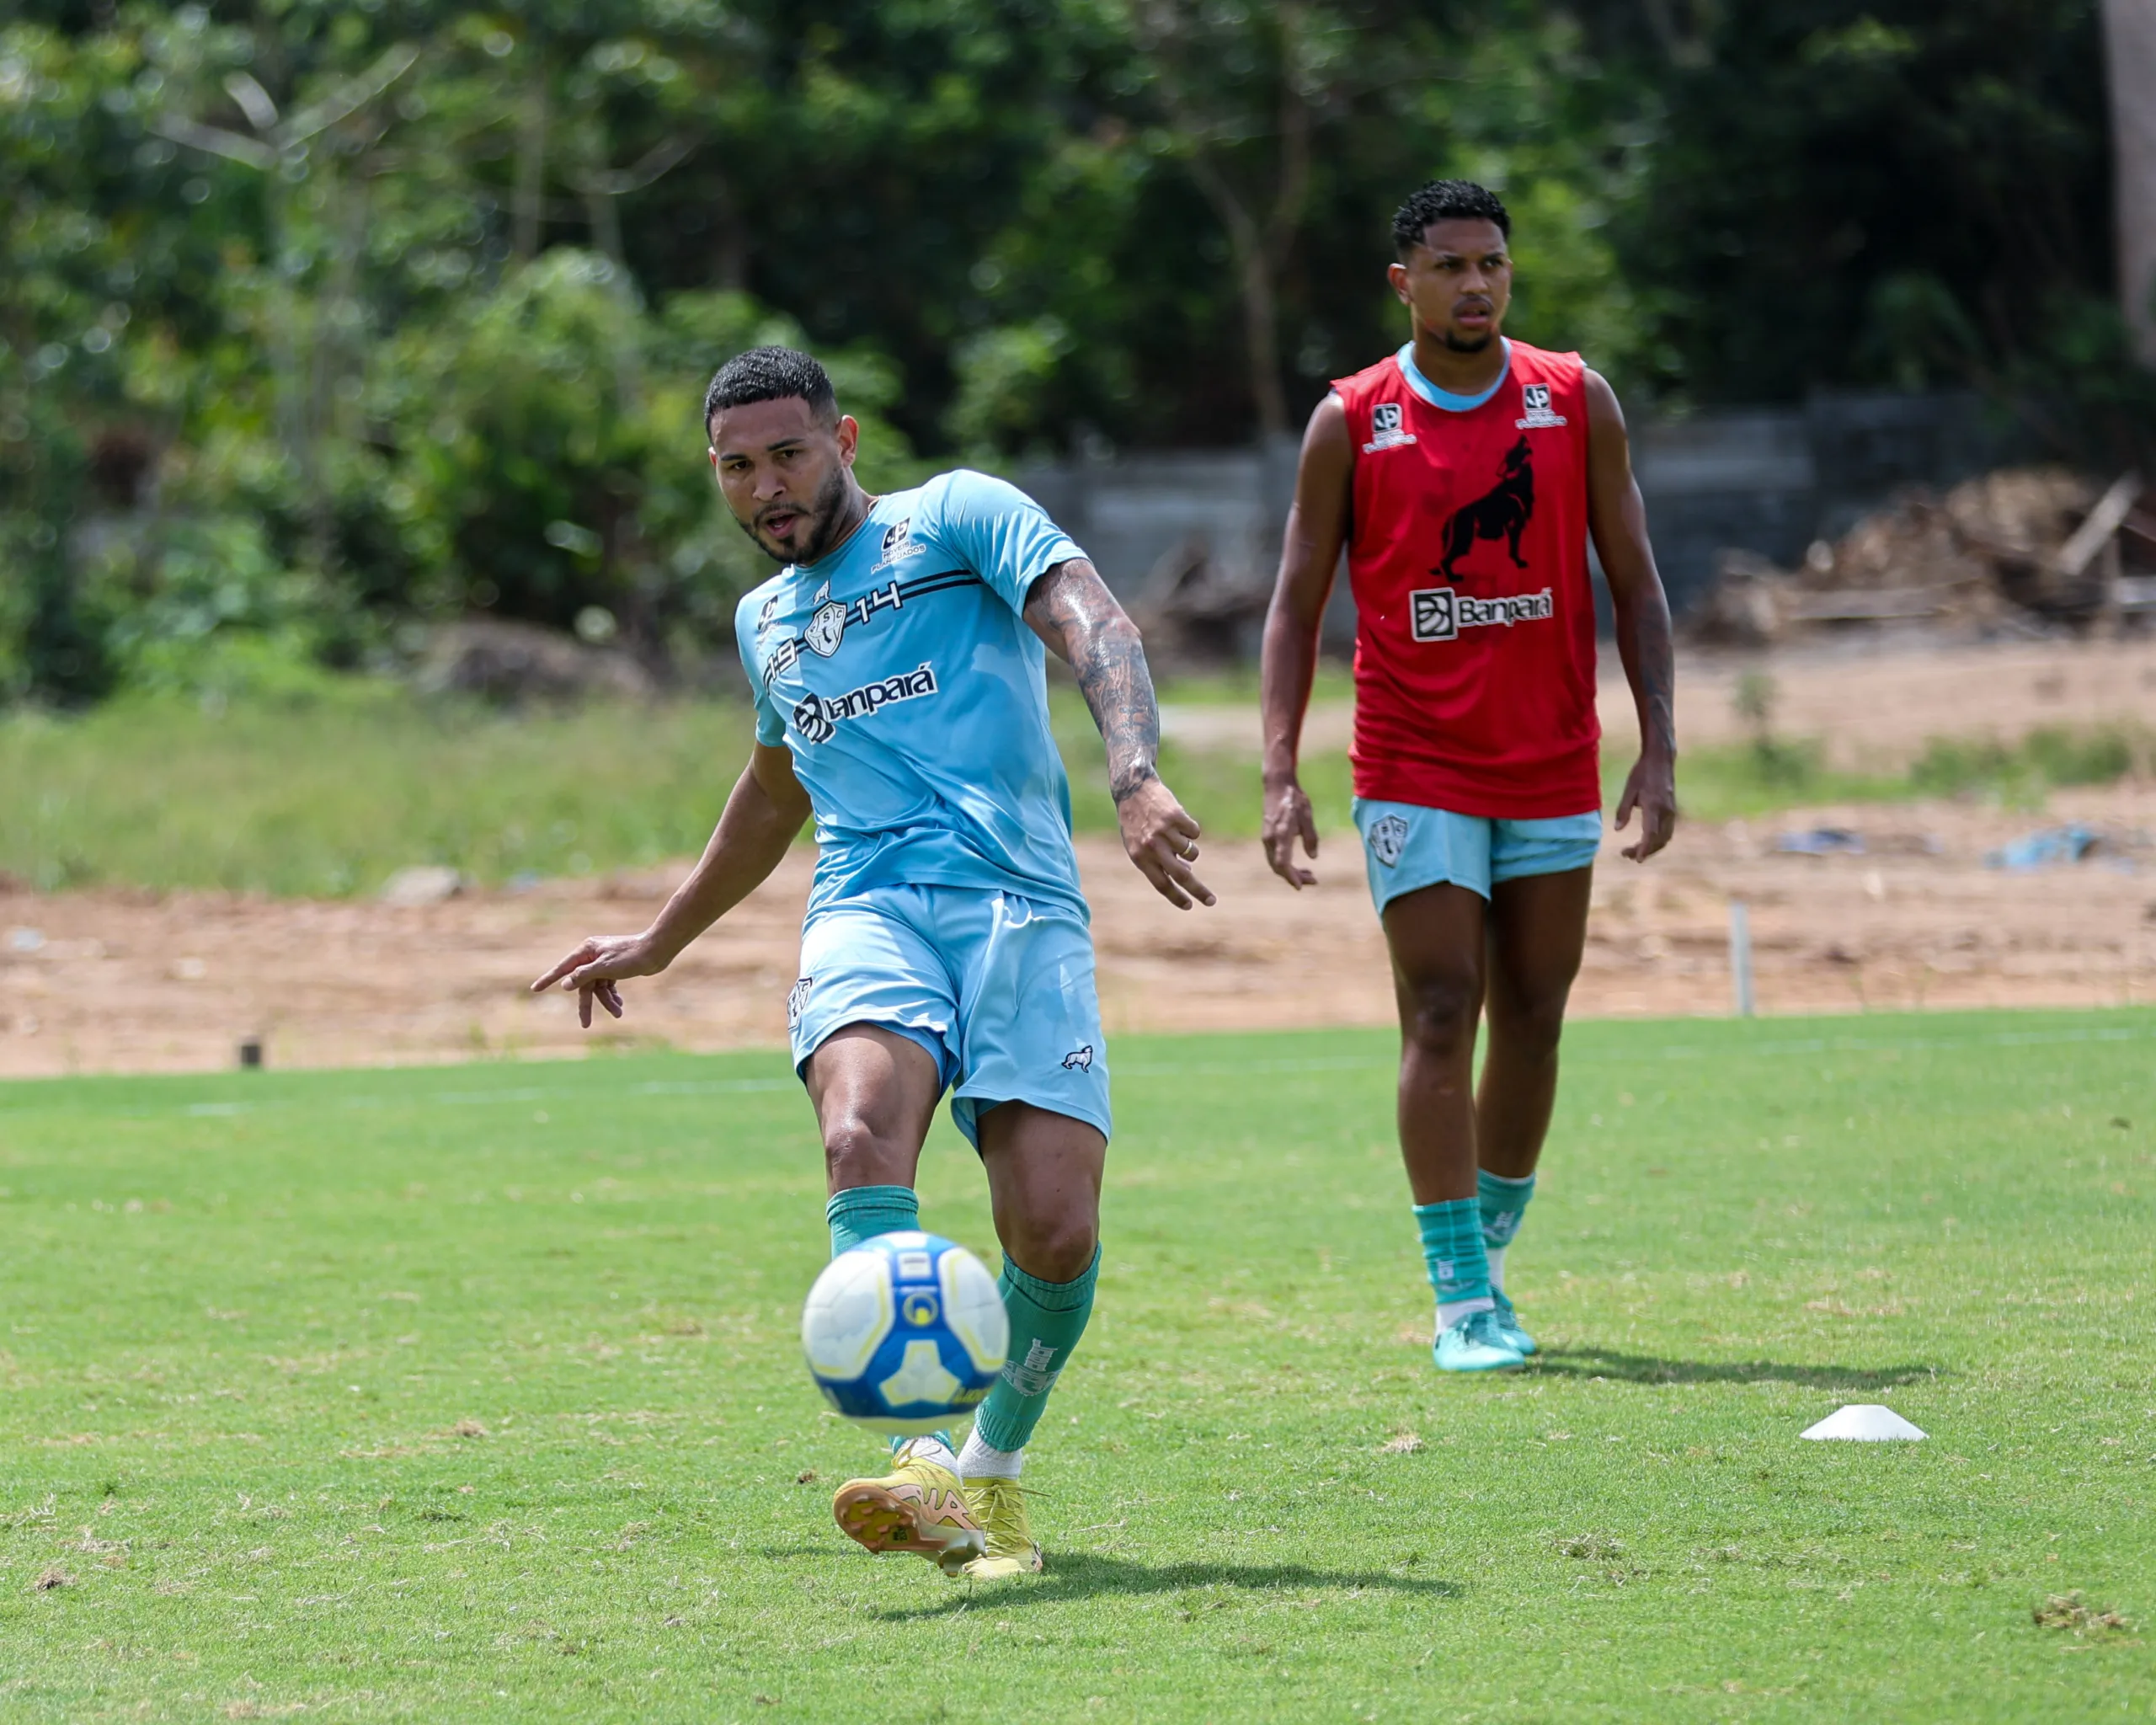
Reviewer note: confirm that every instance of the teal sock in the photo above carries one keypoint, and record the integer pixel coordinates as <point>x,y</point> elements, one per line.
<point>1452,1247</point>
<point>1504,1207</point>
<point>1047,1319</point>
<point>862,1212</point>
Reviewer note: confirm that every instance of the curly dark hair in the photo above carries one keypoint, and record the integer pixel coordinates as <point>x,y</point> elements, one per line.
<point>771,374</point>
<point>1446,201</point>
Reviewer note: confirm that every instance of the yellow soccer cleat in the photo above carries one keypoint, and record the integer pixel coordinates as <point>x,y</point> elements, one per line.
<point>999,1505</point>
<point>916,1507</point>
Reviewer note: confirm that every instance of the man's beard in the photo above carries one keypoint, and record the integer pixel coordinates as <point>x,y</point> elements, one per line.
<point>823,524</point>
<point>1460,344</point>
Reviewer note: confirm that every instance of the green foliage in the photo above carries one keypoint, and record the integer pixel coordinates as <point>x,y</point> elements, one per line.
<point>1851,192</point>
<point>1771,773</point>
<point>246,767</point>
<point>272,776</point>
<point>2050,756</point>
<point>403,303</point>
<point>476,1393</point>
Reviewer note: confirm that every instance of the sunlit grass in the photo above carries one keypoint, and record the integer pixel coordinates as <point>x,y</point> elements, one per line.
<point>476,1394</point>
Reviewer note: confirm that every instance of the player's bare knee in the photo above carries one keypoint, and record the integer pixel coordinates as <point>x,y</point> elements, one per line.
<point>1439,1014</point>
<point>1055,1248</point>
<point>856,1154</point>
<point>1531,1027</point>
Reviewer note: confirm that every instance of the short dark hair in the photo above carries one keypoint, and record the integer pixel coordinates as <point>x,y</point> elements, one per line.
<point>1446,201</point>
<point>771,374</point>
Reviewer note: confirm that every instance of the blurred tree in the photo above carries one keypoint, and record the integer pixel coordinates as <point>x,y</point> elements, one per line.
<point>317,316</point>
<point>2130,57</point>
<point>1868,191</point>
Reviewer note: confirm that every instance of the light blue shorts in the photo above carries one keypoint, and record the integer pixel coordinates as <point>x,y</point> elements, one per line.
<point>1406,847</point>
<point>998,988</point>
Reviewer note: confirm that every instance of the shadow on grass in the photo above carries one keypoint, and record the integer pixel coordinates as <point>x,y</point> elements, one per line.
<point>1083,1575</point>
<point>1648,1369</point>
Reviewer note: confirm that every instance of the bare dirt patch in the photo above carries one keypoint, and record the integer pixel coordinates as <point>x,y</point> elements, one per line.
<point>117,981</point>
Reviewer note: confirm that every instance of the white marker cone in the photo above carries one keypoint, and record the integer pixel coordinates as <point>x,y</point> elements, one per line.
<point>1865,1424</point>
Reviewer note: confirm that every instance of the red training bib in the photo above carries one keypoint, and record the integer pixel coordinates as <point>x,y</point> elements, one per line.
<point>1475,635</point>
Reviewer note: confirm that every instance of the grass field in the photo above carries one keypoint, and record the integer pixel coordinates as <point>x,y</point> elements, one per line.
<point>326,789</point>
<point>474,1394</point>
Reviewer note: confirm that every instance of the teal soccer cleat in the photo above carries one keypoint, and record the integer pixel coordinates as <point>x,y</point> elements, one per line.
<point>1509,1326</point>
<point>1477,1344</point>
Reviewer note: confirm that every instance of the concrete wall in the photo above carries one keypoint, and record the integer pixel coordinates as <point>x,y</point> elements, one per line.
<point>1769,480</point>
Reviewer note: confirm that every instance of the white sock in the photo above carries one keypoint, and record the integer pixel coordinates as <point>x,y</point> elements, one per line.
<point>977,1461</point>
<point>930,1447</point>
<point>1451,1311</point>
<point>1495,1254</point>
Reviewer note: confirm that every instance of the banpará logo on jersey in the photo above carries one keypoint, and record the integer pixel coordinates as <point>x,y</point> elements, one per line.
<point>1385,432</point>
<point>1535,409</point>
<point>765,617</point>
<point>1440,613</point>
<point>1387,839</point>
<point>818,716</point>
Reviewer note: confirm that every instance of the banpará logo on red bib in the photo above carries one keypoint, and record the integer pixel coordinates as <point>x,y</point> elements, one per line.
<point>1440,613</point>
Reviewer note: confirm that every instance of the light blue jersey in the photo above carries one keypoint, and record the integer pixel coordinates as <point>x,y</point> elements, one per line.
<point>913,697</point>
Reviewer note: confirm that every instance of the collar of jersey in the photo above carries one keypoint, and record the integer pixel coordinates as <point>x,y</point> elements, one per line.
<point>1445,398</point>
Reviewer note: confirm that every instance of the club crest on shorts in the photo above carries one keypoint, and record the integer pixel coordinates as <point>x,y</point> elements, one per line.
<point>796,997</point>
<point>1387,839</point>
<point>1079,1060</point>
<point>826,629</point>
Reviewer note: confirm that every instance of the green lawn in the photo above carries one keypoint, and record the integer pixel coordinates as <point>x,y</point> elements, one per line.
<point>474,1394</point>
<point>327,787</point>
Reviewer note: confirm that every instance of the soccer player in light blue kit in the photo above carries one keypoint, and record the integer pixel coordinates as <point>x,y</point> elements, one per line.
<point>899,678</point>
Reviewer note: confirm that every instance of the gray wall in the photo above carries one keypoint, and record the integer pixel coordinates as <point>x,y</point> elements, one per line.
<point>1769,480</point>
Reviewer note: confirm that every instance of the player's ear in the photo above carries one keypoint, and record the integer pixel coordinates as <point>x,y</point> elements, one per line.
<point>849,437</point>
<point>1396,274</point>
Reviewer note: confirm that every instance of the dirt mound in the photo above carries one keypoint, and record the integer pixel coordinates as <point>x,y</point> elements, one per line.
<point>1995,552</point>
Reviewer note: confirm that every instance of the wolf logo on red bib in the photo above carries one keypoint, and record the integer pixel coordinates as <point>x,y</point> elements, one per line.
<point>1477,696</point>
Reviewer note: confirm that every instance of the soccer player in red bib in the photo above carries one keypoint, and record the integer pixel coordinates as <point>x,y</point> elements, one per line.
<point>1465,475</point>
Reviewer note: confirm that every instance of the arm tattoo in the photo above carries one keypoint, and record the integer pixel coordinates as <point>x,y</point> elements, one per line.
<point>1071,603</point>
<point>1644,642</point>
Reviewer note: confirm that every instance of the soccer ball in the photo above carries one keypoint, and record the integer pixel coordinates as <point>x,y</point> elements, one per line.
<point>905,1332</point>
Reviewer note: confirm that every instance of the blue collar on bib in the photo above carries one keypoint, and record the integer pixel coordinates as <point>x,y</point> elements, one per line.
<point>1445,398</point>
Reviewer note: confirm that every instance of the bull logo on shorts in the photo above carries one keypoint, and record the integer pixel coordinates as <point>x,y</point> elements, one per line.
<point>1387,839</point>
<point>826,629</point>
<point>1079,1060</point>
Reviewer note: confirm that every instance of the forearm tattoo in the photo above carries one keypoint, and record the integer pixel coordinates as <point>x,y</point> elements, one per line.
<point>1655,676</point>
<point>1072,604</point>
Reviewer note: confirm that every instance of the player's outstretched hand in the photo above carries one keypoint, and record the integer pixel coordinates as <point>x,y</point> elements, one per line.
<point>599,963</point>
<point>1160,836</point>
<point>1288,817</point>
<point>1651,787</point>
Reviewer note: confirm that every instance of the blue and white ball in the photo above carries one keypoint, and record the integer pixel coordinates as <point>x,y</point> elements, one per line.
<point>905,1332</point>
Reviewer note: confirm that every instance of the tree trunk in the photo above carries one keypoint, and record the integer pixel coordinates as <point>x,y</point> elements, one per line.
<point>529,196</point>
<point>2129,34</point>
